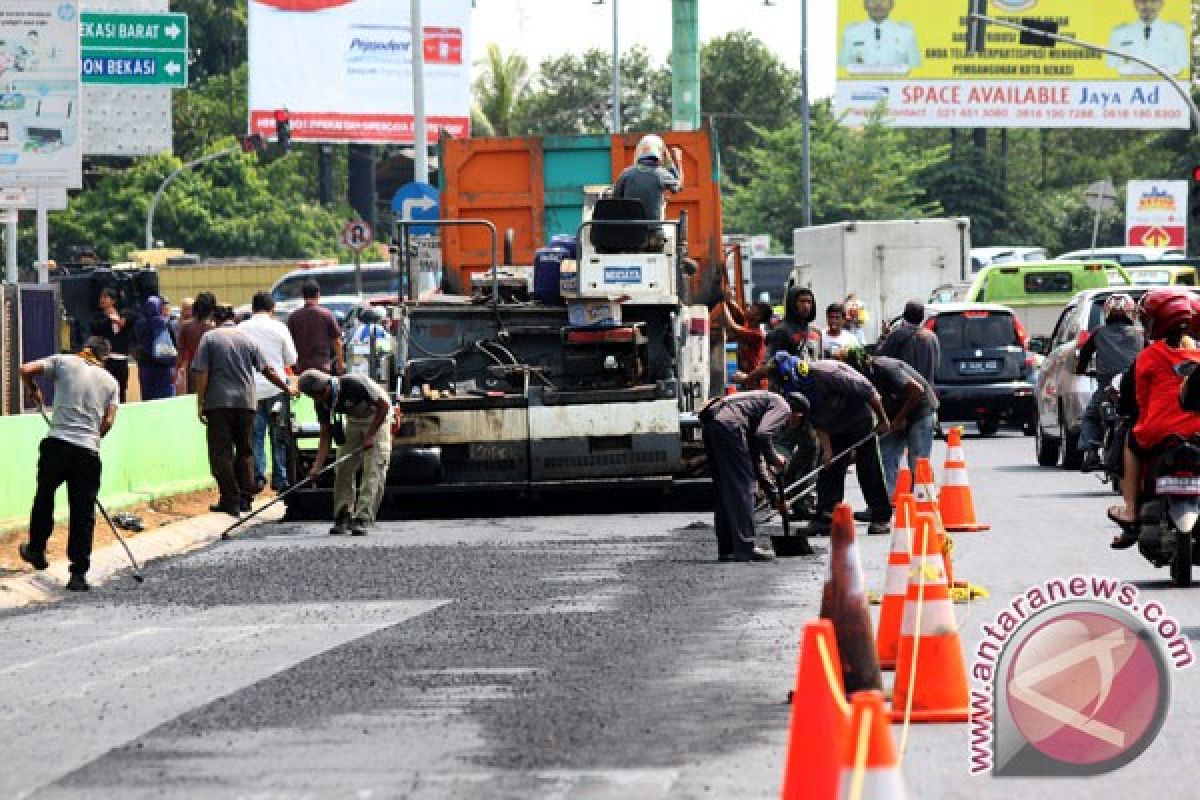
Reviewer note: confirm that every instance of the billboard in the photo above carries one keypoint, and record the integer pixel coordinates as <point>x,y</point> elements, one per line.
<point>40,141</point>
<point>910,56</point>
<point>343,68</point>
<point>1156,213</point>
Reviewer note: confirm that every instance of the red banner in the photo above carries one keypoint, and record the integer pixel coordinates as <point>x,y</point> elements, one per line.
<point>334,127</point>
<point>1157,236</point>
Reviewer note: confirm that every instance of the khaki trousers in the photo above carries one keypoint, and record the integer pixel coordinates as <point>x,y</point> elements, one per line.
<point>374,463</point>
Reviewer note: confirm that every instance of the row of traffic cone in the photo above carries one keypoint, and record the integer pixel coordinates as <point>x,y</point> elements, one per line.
<point>955,502</point>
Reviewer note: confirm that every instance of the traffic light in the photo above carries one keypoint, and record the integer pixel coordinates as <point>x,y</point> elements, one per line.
<point>976,28</point>
<point>252,144</point>
<point>283,129</point>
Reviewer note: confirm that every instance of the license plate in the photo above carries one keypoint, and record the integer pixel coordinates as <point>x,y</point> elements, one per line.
<point>979,366</point>
<point>1176,485</point>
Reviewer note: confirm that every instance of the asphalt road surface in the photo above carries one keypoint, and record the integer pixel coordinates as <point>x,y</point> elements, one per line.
<point>569,656</point>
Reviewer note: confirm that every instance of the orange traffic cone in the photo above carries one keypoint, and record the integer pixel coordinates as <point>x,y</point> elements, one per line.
<point>955,500</point>
<point>870,768</point>
<point>904,484</point>
<point>820,723</point>
<point>925,492</point>
<point>895,583</point>
<point>931,674</point>
<point>844,602</point>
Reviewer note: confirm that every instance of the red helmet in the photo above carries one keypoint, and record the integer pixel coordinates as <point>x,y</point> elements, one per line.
<point>1194,327</point>
<point>1166,311</point>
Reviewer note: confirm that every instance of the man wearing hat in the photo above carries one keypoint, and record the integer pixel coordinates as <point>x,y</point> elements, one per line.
<point>365,437</point>
<point>738,431</point>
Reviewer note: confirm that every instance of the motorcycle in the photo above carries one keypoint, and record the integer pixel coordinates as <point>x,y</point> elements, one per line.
<point>1170,508</point>
<point>1115,427</point>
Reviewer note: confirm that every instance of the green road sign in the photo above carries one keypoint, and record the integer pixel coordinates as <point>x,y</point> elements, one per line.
<point>129,67</point>
<point>133,31</point>
<point>134,49</point>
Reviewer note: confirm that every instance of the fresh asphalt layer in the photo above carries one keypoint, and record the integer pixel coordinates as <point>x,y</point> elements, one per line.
<point>570,656</point>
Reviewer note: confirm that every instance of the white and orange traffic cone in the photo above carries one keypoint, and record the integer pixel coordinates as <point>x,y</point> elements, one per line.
<point>904,485</point>
<point>820,720</point>
<point>925,493</point>
<point>870,768</point>
<point>955,500</point>
<point>844,601</point>
<point>895,583</point>
<point>931,673</point>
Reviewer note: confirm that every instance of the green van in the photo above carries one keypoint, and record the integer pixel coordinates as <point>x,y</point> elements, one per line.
<point>1038,290</point>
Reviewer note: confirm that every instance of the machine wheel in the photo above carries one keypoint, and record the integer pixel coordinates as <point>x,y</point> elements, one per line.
<point>1047,446</point>
<point>988,426</point>
<point>1072,457</point>
<point>1181,565</point>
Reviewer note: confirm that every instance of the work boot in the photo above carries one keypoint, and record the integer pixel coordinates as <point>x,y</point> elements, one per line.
<point>879,529</point>
<point>1091,460</point>
<point>246,505</point>
<point>819,526</point>
<point>77,583</point>
<point>34,558</point>
<point>341,525</point>
<point>863,516</point>
<point>222,508</point>
<point>724,557</point>
<point>359,527</point>
<point>757,554</point>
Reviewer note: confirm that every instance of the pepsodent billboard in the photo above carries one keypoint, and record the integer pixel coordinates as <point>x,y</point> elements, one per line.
<point>910,55</point>
<point>343,68</point>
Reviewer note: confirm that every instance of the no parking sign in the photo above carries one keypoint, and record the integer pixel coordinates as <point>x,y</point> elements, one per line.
<point>357,235</point>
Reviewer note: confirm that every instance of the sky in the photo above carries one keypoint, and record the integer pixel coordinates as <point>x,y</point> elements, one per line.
<point>542,28</point>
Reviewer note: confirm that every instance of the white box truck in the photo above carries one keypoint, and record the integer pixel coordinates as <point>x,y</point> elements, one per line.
<point>885,263</point>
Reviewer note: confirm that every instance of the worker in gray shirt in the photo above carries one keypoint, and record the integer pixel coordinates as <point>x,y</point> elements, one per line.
<point>224,366</point>
<point>738,431</point>
<point>1114,345</point>
<point>913,343</point>
<point>85,407</point>
<point>647,180</point>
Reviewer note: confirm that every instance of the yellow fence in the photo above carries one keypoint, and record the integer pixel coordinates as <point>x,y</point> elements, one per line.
<point>234,283</point>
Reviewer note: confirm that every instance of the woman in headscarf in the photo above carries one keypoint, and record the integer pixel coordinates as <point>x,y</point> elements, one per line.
<point>156,352</point>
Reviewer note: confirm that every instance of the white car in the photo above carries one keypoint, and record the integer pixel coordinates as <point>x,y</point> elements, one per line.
<point>986,256</point>
<point>1124,255</point>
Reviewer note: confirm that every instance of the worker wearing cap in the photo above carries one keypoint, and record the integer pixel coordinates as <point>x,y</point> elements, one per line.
<point>880,45</point>
<point>364,440</point>
<point>738,431</point>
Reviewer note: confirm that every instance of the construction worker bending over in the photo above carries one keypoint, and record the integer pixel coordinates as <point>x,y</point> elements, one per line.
<point>738,431</point>
<point>365,437</point>
<point>85,407</point>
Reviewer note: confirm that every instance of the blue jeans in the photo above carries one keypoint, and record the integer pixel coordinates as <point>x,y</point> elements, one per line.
<point>263,423</point>
<point>1091,431</point>
<point>917,437</point>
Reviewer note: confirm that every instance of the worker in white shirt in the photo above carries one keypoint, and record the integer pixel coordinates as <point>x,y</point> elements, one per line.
<point>880,45</point>
<point>272,412</point>
<point>1162,43</point>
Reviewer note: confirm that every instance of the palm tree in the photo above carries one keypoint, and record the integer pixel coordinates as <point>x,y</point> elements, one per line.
<point>500,87</point>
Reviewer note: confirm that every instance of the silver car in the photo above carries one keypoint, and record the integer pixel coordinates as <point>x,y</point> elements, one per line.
<point>1060,396</point>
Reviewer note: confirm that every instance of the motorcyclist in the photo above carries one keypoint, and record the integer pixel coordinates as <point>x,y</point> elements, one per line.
<point>1115,345</point>
<point>1166,316</point>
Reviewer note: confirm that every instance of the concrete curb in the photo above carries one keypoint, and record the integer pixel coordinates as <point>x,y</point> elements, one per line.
<point>107,562</point>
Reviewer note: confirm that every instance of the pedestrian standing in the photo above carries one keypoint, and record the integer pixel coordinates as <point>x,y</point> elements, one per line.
<point>86,396</point>
<point>316,334</point>
<point>911,405</point>
<point>356,414</point>
<point>272,412</point>
<point>225,364</point>
<point>835,337</point>
<point>156,352</point>
<point>913,343</point>
<point>190,333</point>
<point>738,433</point>
<point>116,327</point>
<point>794,334</point>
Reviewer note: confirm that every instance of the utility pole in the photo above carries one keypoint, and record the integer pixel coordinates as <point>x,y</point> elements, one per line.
<point>685,65</point>
<point>616,74</point>
<point>420,137</point>
<point>805,117</point>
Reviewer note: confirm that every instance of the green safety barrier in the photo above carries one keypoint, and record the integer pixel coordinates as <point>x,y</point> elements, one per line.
<point>155,449</point>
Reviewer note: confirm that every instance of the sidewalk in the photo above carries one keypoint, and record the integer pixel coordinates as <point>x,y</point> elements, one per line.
<point>109,561</point>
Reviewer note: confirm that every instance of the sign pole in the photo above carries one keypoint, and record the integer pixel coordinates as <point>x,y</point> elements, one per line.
<point>358,272</point>
<point>420,137</point>
<point>43,239</point>
<point>10,244</point>
<point>1095,233</point>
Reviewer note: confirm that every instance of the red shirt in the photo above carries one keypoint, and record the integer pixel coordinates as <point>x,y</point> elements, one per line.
<point>314,330</point>
<point>1159,412</point>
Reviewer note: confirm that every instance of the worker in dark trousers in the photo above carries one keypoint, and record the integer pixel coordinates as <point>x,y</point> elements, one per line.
<point>738,431</point>
<point>85,407</point>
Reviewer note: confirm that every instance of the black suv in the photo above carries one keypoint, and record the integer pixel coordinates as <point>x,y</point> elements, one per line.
<point>985,372</point>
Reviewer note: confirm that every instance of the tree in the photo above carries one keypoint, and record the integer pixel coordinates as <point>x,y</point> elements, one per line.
<point>500,88</point>
<point>867,173</point>
<point>572,94</point>
<point>744,88</point>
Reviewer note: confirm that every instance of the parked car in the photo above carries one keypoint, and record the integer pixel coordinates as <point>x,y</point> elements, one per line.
<point>949,293</point>
<point>1124,255</point>
<point>1163,275</point>
<point>378,277</point>
<point>985,369</point>
<point>986,256</point>
<point>1060,396</point>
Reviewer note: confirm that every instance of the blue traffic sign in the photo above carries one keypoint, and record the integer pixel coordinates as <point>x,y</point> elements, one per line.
<point>417,201</point>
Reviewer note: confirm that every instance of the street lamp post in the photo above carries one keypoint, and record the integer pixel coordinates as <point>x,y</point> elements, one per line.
<point>616,69</point>
<point>228,151</point>
<point>805,117</point>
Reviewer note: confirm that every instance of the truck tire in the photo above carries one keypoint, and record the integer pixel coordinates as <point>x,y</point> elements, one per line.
<point>1047,446</point>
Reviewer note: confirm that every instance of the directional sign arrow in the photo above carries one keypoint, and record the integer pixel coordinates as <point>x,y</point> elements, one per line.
<point>172,68</point>
<point>173,30</point>
<point>420,203</point>
<point>1156,237</point>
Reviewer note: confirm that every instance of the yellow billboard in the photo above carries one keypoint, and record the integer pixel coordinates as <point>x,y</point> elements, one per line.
<point>910,55</point>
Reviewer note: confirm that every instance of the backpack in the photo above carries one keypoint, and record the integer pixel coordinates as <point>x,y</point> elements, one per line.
<point>162,349</point>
